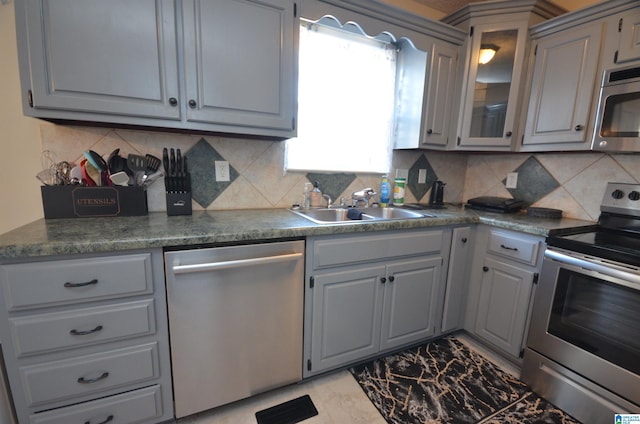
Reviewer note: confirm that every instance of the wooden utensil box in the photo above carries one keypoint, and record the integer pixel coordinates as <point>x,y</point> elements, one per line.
<point>88,202</point>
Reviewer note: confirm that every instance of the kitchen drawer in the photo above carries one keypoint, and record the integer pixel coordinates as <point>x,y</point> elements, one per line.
<point>58,380</point>
<point>75,280</point>
<point>353,249</point>
<point>82,326</point>
<point>514,246</point>
<point>131,407</point>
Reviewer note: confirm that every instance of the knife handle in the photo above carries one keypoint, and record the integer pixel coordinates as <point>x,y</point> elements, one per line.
<point>172,162</point>
<point>165,160</point>
<point>178,162</point>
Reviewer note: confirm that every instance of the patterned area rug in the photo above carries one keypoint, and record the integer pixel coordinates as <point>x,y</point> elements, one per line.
<point>446,382</point>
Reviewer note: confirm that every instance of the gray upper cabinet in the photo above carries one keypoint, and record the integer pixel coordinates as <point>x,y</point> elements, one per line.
<point>563,90</point>
<point>492,74</point>
<point>491,95</point>
<point>220,65</point>
<point>116,57</point>
<point>629,47</point>
<point>436,122</point>
<point>238,57</point>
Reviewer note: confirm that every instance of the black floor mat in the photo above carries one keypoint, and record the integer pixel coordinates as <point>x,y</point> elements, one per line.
<point>290,412</point>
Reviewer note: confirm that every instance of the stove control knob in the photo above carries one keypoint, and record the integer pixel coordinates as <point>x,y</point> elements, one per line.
<point>617,194</point>
<point>634,195</point>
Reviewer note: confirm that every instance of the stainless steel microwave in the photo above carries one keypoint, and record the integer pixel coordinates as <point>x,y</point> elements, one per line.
<point>618,118</point>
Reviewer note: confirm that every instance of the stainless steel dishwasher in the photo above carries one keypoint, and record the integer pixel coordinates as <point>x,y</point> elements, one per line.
<point>235,321</point>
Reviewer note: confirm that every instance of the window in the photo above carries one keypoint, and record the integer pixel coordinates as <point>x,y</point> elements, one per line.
<point>346,98</point>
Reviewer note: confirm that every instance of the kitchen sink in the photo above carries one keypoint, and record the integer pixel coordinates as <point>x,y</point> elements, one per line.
<point>342,215</point>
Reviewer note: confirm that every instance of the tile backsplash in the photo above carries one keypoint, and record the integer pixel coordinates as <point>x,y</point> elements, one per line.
<point>573,182</point>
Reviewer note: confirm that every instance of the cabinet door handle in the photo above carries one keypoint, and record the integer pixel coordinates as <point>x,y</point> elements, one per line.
<point>391,278</point>
<point>508,134</point>
<point>383,280</point>
<point>579,127</point>
<point>192,104</point>
<point>173,101</point>
<point>83,380</point>
<point>515,249</point>
<point>485,268</point>
<point>75,332</point>
<point>109,419</point>
<point>86,283</point>
<point>463,239</point>
<point>429,131</point>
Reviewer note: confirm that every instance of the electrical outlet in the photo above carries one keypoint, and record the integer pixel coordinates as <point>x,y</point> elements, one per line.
<point>222,170</point>
<point>422,176</point>
<point>512,180</point>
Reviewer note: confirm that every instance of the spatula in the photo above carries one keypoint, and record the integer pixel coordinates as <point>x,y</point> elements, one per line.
<point>153,164</point>
<point>138,165</point>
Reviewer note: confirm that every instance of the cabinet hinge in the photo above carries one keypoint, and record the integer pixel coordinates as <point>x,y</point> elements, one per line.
<point>308,364</point>
<point>295,10</point>
<point>312,282</point>
<point>293,123</point>
<point>615,57</point>
<point>620,25</point>
<point>536,276</point>
<point>471,32</point>
<point>521,355</point>
<point>30,98</point>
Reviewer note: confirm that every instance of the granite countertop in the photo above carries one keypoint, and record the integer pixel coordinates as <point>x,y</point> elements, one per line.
<point>93,235</point>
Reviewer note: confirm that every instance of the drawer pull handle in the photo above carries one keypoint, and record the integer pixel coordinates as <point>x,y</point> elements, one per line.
<point>83,380</point>
<point>86,283</point>
<point>75,332</point>
<point>515,249</point>
<point>109,419</point>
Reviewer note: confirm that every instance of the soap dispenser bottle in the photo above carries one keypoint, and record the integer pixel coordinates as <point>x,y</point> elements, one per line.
<point>384,192</point>
<point>316,196</point>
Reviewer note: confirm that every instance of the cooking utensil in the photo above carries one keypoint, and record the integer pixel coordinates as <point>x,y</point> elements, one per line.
<point>120,178</point>
<point>93,173</point>
<point>85,175</point>
<point>76,176</point>
<point>137,164</point>
<point>153,164</point>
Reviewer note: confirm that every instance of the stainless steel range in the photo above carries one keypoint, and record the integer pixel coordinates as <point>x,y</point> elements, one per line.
<point>583,348</point>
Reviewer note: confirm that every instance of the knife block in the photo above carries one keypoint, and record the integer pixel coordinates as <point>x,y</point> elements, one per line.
<point>179,203</point>
<point>178,195</point>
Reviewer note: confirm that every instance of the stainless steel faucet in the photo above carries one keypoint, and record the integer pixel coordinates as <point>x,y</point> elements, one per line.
<point>329,201</point>
<point>363,195</point>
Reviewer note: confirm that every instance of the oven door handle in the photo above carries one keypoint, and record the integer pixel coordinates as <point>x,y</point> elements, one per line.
<point>625,278</point>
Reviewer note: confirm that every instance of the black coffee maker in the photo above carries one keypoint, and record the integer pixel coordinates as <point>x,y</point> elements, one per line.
<point>437,193</point>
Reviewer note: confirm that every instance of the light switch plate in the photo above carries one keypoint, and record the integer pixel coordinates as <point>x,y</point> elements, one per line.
<point>422,176</point>
<point>222,170</point>
<point>512,180</point>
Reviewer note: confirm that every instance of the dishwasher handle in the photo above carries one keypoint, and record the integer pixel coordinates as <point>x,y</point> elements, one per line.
<point>238,263</point>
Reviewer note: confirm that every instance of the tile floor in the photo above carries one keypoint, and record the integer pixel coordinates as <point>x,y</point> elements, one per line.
<point>337,397</point>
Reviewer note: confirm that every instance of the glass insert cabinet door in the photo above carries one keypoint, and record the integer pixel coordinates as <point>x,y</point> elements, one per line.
<point>495,70</point>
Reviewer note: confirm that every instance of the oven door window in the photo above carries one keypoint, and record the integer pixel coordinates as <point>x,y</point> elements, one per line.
<point>598,316</point>
<point>621,116</point>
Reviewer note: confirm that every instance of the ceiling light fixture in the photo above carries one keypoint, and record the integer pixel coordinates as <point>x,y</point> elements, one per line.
<point>487,52</point>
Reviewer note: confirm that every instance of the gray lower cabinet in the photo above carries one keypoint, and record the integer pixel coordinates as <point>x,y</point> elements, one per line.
<point>366,294</point>
<point>220,65</point>
<point>504,270</point>
<point>457,279</point>
<point>85,338</point>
